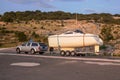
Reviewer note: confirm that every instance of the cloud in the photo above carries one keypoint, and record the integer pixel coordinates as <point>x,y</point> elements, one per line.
<point>90,11</point>
<point>22,1</point>
<point>41,3</point>
<point>38,1</point>
<point>70,0</point>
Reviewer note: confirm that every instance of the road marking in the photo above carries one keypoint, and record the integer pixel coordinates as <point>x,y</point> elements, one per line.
<point>67,62</point>
<point>103,63</point>
<point>6,48</point>
<point>60,57</point>
<point>25,64</point>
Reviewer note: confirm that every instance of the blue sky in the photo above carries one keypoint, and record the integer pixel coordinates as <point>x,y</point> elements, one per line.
<point>73,6</point>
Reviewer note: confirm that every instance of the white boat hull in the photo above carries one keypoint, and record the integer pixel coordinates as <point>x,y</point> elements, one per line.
<point>74,40</point>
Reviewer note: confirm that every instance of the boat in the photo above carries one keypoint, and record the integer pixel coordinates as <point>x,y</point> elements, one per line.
<point>74,39</point>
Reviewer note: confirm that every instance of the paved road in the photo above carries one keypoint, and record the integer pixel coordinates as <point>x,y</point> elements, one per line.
<point>8,50</point>
<point>45,67</point>
<point>13,50</point>
<point>37,67</point>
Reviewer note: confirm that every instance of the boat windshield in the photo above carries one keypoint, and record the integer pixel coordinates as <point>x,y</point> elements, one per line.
<point>69,32</point>
<point>72,32</point>
<point>78,31</point>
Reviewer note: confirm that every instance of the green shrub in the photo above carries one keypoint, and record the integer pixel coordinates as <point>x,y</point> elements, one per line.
<point>118,55</point>
<point>103,47</point>
<point>35,35</point>
<point>0,44</point>
<point>106,33</point>
<point>21,36</point>
<point>42,27</point>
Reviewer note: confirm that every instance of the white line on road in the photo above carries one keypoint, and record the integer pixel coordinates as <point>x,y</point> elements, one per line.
<point>25,64</point>
<point>60,57</point>
<point>6,48</point>
<point>102,63</point>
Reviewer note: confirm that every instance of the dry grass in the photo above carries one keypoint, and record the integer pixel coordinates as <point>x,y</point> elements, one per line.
<point>44,27</point>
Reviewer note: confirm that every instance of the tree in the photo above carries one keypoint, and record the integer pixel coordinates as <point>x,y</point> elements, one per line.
<point>57,15</point>
<point>0,44</point>
<point>106,33</point>
<point>9,17</point>
<point>21,36</point>
<point>35,35</point>
<point>0,17</point>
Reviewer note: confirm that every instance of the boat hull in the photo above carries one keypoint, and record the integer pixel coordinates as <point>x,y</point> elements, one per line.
<point>70,41</point>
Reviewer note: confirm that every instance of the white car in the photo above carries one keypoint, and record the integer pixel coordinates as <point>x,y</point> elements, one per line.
<point>32,47</point>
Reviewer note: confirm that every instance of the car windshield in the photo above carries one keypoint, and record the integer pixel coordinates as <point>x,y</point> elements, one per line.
<point>24,44</point>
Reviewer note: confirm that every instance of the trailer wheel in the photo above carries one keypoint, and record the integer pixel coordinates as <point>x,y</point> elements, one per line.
<point>62,53</point>
<point>73,53</point>
<point>67,53</point>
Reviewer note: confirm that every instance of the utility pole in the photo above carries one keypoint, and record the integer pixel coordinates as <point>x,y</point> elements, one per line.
<point>76,20</point>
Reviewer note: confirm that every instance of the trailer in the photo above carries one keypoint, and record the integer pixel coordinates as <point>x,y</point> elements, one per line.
<point>75,43</point>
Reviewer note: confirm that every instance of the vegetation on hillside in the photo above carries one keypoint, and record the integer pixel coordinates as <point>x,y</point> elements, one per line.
<point>21,36</point>
<point>18,27</point>
<point>106,33</point>
<point>58,15</point>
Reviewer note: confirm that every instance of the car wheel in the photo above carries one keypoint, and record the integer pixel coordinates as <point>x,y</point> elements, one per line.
<point>18,50</point>
<point>32,51</point>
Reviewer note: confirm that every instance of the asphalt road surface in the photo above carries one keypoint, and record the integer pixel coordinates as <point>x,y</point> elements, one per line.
<point>42,67</point>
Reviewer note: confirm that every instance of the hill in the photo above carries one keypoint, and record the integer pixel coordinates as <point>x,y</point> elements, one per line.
<point>18,27</point>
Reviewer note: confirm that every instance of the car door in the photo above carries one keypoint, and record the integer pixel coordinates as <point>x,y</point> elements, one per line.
<point>35,46</point>
<point>23,47</point>
<point>28,46</point>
